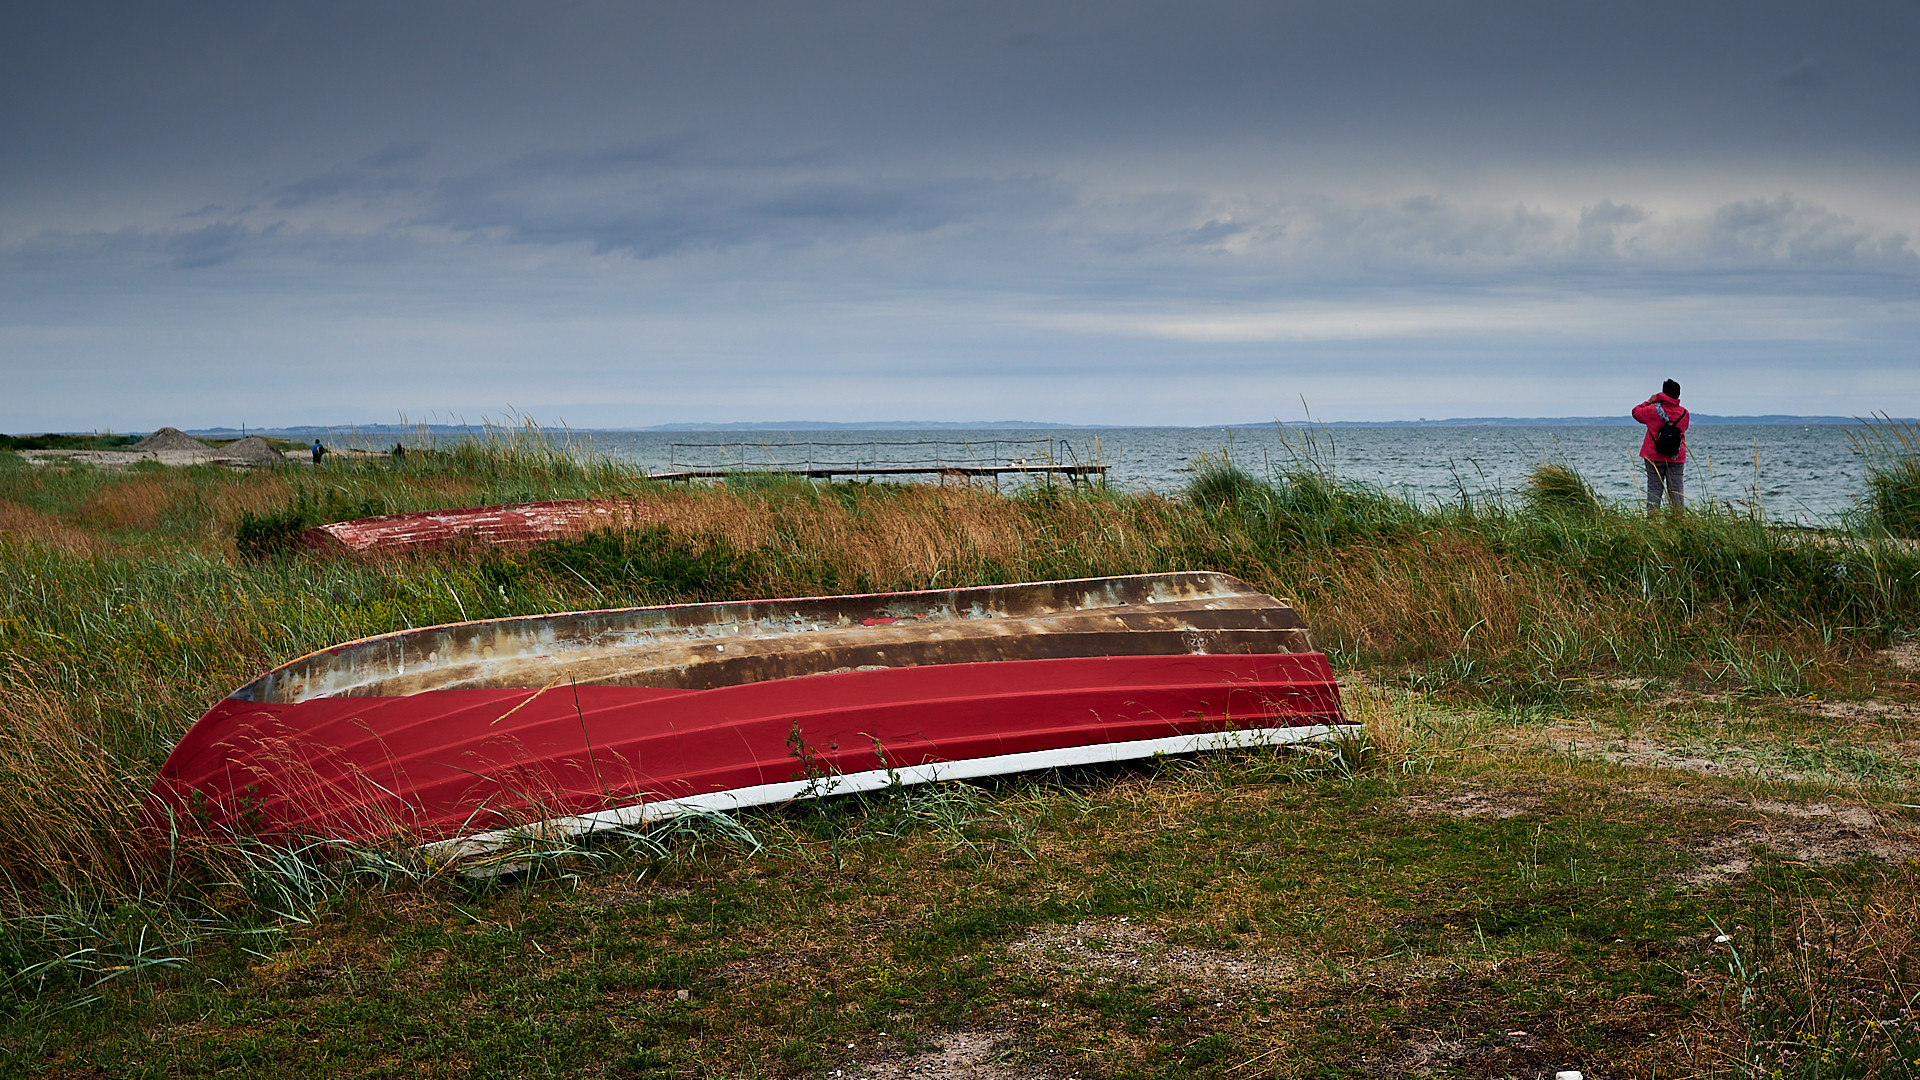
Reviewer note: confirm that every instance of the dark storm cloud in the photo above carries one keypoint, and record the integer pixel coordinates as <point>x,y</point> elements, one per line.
<point>178,83</point>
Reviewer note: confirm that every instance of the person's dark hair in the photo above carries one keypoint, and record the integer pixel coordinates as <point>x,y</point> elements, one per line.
<point>1671,389</point>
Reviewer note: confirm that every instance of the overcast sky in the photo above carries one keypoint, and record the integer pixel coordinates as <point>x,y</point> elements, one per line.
<point>623,214</point>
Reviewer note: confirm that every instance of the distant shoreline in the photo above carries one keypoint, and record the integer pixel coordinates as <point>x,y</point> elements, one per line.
<point>307,431</point>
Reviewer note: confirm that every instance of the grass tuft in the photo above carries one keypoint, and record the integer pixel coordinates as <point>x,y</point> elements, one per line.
<point>1891,451</point>
<point>1558,489</point>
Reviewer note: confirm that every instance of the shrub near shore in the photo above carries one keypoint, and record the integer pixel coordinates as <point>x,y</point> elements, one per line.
<point>126,607</point>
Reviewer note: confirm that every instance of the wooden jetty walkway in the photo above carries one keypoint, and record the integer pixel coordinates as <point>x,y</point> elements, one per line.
<point>1035,457</point>
<point>1075,473</point>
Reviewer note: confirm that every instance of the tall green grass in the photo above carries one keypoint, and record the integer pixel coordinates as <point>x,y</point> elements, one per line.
<point>1890,451</point>
<point>127,607</point>
<point>1534,600</point>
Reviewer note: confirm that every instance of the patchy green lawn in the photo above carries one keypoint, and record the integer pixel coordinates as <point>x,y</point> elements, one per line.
<point>1486,894</point>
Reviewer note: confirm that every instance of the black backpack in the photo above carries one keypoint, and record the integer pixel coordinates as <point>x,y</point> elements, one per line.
<point>1666,441</point>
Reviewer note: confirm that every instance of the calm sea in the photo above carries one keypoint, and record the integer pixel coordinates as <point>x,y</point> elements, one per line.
<point>1793,474</point>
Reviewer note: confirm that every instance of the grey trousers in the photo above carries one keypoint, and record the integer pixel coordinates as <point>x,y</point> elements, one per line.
<point>1667,476</point>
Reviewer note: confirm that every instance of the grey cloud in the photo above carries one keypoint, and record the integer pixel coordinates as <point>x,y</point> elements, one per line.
<point>655,202</point>
<point>1601,225</point>
<point>203,248</point>
<point>1422,230</point>
<point>1786,230</point>
<point>628,200</point>
<point>1446,239</point>
<point>204,90</point>
<point>617,158</point>
<point>1606,212</point>
<point>314,188</point>
<point>209,245</point>
<point>893,206</point>
<point>338,183</point>
<point>1215,232</point>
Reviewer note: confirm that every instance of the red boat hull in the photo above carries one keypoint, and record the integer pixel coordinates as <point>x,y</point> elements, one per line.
<point>466,762</point>
<point>518,525</point>
<point>467,734</point>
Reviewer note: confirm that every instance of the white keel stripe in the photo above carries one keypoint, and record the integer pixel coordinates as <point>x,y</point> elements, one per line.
<point>641,813</point>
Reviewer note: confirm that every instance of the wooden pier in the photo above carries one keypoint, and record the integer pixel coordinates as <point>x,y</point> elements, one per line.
<point>1075,473</point>
<point>878,458</point>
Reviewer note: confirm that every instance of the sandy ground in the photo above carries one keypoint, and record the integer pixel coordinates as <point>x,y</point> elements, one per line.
<point>115,459</point>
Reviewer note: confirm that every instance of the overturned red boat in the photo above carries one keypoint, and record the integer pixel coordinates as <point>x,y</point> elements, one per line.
<point>472,734</point>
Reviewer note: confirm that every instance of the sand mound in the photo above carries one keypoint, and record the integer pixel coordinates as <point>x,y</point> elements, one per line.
<point>169,438</point>
<point>252,450</point>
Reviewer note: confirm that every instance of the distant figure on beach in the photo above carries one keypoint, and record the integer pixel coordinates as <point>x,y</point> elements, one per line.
<point>318,451</point>
<point>399,452</point>
<point>1666,459</point>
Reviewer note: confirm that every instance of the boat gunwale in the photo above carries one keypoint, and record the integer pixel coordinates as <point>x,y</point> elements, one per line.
<point>1228,586</point>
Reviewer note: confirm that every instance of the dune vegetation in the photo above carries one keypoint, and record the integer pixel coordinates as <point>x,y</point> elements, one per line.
<point>1596,823</point>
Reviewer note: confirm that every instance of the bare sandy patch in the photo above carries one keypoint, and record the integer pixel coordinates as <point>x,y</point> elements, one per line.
<point>1905,656</point>
<point>959,1055</point>
<point>1649,750</point>
<point>1847,756</point>
<point>1814,834</point>
<point>1475,802</point>
<point>1871,710</point>
<point>1114,948</point>
<point>116,459</point>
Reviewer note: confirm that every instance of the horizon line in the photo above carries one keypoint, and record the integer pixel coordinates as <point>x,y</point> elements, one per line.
<point>695,427</point>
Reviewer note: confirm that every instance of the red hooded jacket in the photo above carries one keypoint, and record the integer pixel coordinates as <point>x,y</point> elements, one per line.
<point>1644,412</point>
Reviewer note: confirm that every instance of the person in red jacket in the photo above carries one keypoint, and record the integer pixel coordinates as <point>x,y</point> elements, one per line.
<point>1665,472</point>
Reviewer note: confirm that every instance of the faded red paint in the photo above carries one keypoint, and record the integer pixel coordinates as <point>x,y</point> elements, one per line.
<point>519,525</point>
<point>455,762</point>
